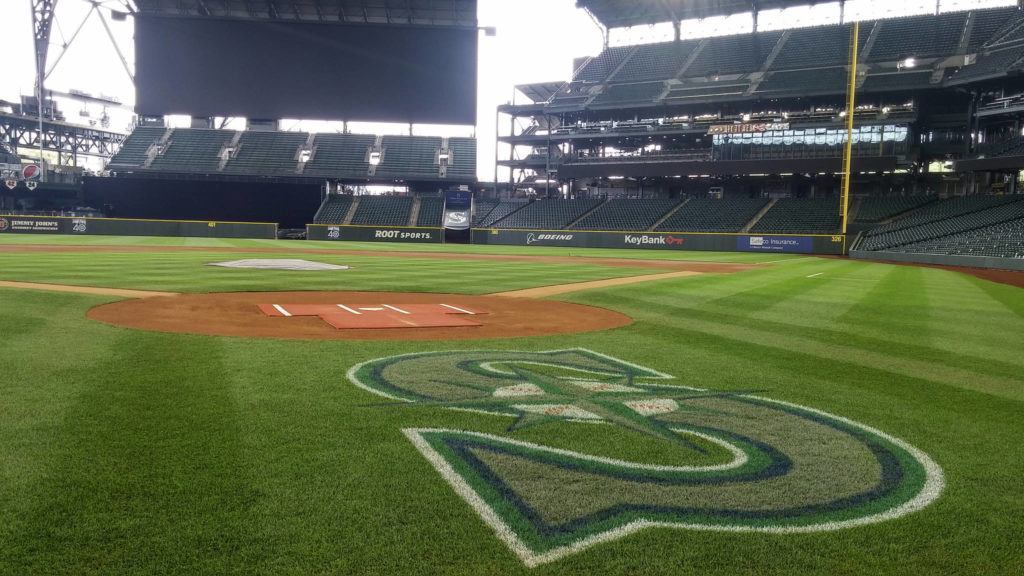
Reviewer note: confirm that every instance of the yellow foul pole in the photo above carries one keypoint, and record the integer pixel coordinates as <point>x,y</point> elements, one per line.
<point>851,90</point>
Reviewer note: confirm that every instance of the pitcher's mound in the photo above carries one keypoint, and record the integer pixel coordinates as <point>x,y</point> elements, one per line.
<point>240,314</point>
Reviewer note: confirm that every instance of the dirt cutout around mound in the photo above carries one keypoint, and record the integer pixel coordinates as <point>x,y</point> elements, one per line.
<point>238,314</point>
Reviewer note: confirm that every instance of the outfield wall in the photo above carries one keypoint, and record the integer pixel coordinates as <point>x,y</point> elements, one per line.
<point>777,243</point>
<point>409,234</point>
<point>942,260</point>
<point>126,227</point>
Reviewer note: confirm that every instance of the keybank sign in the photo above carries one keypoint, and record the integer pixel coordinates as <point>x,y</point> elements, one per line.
<point>645,240</point>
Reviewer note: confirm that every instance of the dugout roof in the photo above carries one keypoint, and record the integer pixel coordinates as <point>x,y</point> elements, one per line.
<point>623,13</point>
<point>453,13</point>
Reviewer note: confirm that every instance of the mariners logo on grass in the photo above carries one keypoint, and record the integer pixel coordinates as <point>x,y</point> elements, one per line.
<point>592,448</point>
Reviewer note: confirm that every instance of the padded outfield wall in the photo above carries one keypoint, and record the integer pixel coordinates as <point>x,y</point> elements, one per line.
<point>12,224</point>
<point>165,197</point>
<point>779,243</point>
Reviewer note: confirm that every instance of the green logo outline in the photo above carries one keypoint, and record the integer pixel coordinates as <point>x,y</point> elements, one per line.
<point>909,479</point>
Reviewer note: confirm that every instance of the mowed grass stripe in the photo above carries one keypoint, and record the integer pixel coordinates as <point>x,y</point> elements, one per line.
<point>995,375</point>
<point>884,330</point>
<point>145,469</point>
<point>829,297</point>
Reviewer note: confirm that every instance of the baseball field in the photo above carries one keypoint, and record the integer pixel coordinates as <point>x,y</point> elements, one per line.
<point>529,411</point>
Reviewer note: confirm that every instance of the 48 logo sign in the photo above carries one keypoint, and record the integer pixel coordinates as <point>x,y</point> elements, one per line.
<point>596,448</point>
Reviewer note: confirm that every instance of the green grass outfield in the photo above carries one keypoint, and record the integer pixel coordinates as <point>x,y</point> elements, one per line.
<point>131,452</point>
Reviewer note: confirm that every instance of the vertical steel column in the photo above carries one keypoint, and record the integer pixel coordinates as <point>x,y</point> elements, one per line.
<point>851,89</point>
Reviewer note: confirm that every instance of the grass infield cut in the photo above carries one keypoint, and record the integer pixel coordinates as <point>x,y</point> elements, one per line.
<point>133,452</point>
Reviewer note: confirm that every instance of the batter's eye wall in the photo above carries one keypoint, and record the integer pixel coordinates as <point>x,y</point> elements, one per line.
<point>261,69</point>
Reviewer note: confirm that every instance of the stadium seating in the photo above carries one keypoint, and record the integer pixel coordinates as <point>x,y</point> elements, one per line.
<point>878,208</point>
<point>1004,240</point>
<point>988,23</point>
<point>944,218</point>
<point>463,162</point>
<point>655,61</point>
<point>339,155</point>
<point>481,209</point>
<point>500,211</point>
<point>713,215</point>
<point>989,63</point>
<point>599,67</point>
<point>133,150</point>
<point>928,37</point>
<point>266,153</point>
<point>256,153</point>
<point>808,61</point>
<point>383,211</point>
<point>814,48</point>
<point>627,215</point>
<point>547,214</point>
<point>334,209</point>
<point>739,54</point>
<point>801,216</point>
<point>193,150</point>
<point>409,157</point>
<point>431,212</point>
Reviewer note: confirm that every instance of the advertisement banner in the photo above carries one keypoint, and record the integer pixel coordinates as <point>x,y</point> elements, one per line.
<point>374,233</point>
<point>791,244</point>
<point>748,128</point>
<point>128,227</point>
<point>662,241</point>
<point>30,224</point>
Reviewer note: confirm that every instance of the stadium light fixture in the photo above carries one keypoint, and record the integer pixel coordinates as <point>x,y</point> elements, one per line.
<point>910,62</point>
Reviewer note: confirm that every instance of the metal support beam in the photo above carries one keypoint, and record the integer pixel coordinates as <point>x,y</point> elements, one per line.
<point>113,41</point>
<point>42,22</point>
<point>67,141</point>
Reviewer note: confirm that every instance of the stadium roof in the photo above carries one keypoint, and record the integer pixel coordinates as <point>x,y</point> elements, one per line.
<point>456,13</point>
<point>623,13</point>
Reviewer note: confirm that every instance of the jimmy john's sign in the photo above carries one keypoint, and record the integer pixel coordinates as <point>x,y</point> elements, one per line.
<point>749,127</point>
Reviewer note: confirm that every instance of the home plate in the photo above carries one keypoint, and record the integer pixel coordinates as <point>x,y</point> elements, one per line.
<point>344,316</point>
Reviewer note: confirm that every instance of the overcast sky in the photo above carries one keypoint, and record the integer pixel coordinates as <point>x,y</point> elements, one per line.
<point>536,41</point>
